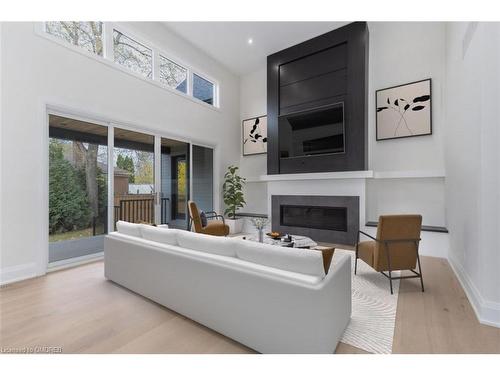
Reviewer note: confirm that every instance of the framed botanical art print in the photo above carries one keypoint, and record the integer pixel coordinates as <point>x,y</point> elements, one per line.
<point>404,110</point>
<point>255,136</point>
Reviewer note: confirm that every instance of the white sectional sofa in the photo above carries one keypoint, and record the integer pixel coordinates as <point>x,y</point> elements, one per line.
<point>271,299</point>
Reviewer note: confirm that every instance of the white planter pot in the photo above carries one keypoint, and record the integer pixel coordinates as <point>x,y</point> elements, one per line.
<point>235,225</point>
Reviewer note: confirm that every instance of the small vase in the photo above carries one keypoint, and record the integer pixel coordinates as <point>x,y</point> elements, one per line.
<point>261,235</point>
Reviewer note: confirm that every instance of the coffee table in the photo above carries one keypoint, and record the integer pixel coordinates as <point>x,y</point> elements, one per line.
<point>298,241</point>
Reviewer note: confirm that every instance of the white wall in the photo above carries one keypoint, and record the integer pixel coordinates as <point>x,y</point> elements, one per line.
<point>37,71</point>
<point>473,162</point>
<point>407,195</point>
<point>399,53</point>
<point>402,52</point>
<point>253,102</point>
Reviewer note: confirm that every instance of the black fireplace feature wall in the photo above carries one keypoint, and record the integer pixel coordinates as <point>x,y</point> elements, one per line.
<point>303,80</point>
<point>324,218</point>
<point>316,132</point>
<point>315,217</point>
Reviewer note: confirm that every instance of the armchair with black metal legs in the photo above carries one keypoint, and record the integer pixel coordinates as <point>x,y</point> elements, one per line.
<point>216,225</point>
<point>214,215</point>
<point>395,248</point>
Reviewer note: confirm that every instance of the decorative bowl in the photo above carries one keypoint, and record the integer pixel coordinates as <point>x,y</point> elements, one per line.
<point>274,235</point>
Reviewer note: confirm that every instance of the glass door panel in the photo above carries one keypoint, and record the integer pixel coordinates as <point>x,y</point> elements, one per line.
<point>78,154</point>
<point>203,177</point>
<point>134,181</point>
<point>174,183</point>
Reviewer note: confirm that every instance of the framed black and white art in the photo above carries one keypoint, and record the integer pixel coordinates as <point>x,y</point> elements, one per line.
<point>254,135</point>
<point>404,110</point>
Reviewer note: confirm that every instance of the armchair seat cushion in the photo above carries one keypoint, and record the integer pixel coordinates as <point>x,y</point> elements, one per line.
<point>216,228</point>
<point>366,251</point>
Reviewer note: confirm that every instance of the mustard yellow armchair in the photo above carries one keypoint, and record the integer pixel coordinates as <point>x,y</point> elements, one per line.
<point>394,248</point>
<point>215,224</point>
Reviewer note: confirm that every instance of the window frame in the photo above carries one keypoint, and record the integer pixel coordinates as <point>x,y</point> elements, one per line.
<point>189,91</point>
<point>107,58</point>
<point>76,47</point>
<point>136,40</point>
<point>214,88</point>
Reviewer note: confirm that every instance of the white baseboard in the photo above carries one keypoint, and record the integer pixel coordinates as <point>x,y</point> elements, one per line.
<point>20,272</point>
<point>9,275</point>
<point>487,312</point>
<point>73,262</point>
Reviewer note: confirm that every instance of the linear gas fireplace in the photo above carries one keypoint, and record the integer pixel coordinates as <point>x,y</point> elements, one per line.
<point>314,217</point>
<point>332,219</point>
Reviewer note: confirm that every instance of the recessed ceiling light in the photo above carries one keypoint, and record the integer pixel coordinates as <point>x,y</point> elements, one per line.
<point>250,41</point>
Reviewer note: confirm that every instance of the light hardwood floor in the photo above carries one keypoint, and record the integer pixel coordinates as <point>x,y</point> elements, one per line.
<point>81,312</point>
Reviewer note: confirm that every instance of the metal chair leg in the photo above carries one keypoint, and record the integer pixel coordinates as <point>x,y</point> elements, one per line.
<point>389,265</point>
<point>356,260</point>
<point>419,268</point>
<point>420,272</point>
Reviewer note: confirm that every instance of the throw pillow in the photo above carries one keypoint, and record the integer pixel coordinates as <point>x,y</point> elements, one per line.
<point>203,218</point>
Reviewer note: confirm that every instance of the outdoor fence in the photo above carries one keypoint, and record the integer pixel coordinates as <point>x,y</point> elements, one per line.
<point>141,210</point>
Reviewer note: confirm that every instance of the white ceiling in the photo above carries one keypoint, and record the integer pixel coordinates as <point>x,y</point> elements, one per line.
<point>227,42</point>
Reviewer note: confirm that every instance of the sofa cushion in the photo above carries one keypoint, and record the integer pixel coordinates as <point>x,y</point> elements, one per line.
<point>296,260</point>
<point>130,229</point>
<point>206,243</point>
<point>162,235</point>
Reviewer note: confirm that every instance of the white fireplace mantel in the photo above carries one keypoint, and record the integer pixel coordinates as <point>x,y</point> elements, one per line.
<point>317,176</point>
<point>351,175</point>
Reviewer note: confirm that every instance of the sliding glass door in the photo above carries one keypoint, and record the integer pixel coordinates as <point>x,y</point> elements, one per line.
<point>174,183</point>
<point>78,153</point>
<point>150,179</point>
<point>134,197</point>
<point>203,177</point>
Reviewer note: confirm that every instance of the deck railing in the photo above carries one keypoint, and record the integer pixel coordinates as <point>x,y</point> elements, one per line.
<point>141,210</point>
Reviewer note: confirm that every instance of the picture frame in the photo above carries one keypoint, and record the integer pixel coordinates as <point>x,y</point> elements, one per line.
<point>254,136</point>
<point>404,111</point>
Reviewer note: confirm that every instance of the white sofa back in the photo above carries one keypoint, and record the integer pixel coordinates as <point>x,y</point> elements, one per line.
<point>301,261</point>
<point>130,229</point>
<point>165,236</point>
<point>268,309</point>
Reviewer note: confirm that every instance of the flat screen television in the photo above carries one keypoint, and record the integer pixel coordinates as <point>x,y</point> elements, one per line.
<point>314,132</point>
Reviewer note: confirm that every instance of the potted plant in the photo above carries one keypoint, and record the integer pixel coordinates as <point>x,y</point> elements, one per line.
<point>233,198</point>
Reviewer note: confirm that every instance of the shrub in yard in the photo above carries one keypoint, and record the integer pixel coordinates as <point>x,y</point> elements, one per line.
<point>68,206</point>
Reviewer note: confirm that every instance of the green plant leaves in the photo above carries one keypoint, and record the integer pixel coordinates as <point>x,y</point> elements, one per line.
<point>232,191</point>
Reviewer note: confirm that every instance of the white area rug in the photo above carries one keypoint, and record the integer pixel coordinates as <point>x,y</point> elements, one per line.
<point>373,309</point>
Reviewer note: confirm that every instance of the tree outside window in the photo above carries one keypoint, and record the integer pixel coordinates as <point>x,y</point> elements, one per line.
<point>87,35</point>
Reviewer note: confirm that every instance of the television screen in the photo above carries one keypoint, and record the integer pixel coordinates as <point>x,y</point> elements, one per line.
<point>315,132</point>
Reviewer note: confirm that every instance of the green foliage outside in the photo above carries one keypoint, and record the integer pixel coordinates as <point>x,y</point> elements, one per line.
<point>102,192</point>
<point>126,163</point>
<point>68,205</point>
<point>233,191</point>
<point>69,208</point>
